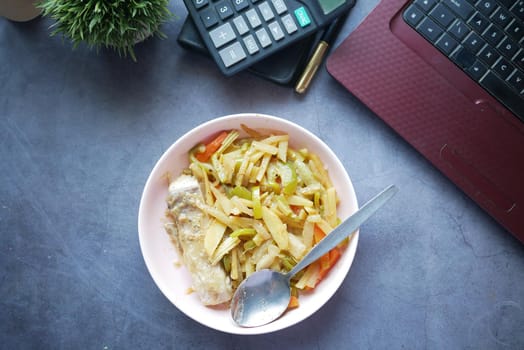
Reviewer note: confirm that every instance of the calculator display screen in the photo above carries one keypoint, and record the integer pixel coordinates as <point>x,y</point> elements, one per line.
<point>330,5</point>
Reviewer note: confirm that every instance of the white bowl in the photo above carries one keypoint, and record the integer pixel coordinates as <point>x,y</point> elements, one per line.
<point>161,256</point>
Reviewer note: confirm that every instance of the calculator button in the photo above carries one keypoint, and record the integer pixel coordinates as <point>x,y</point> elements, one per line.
<point>280,6</point>
<point>302,17</point>
<point>232,54</point>
<point>289,24</point>
<point>222,35</point>
<point>209,17</point>
<point>253,18</point>
<point>224,9</point>
<point>276,31</point>
<point>200,3</point>
<point>240,4</point>
<point>263,37</point>
<point>240,25</point>
<point>251,44</point>
<point>266,11</point>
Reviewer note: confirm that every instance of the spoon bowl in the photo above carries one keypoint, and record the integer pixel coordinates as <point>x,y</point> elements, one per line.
<point>268,293</point>
<point>264,296</point>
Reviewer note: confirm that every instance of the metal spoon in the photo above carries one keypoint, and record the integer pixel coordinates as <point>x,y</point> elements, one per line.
<point>264,296</point>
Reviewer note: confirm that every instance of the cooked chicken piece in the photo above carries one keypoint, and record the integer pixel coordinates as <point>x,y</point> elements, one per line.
<point>210,282</point>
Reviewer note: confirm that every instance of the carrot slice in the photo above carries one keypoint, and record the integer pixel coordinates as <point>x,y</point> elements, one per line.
<point>327,260</point>
<point>293,302</point>
<point>211,147</point>
<point>333,256</point>
<point>318,234</point>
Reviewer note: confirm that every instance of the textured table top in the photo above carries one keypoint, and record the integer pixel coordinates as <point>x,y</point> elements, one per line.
<point>79,134</point>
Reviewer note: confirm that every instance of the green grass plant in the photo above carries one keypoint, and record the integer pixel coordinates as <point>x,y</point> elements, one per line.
<point>115,24</point>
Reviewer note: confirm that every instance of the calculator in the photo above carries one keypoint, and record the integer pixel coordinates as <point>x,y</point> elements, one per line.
<point>239,33</point>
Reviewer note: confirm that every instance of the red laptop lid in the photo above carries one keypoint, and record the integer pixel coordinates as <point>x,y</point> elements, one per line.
<point>432,104</point>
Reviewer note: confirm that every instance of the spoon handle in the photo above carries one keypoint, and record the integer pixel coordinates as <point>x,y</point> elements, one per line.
<point>344,229</point>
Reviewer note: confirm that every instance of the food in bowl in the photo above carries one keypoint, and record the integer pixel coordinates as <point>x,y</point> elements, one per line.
<point>164,263</point>
<point>249,201</point>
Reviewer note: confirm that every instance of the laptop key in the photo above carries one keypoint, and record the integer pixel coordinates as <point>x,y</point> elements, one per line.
<point>442,15</point>
<point>488,55</point>
<point>519,59</point>
<point>484,38</point>
<point>486,6</point>
<point>463,58</point>
<point>478,22</point>
<point>474,42</point>
<point>477,70</point>
<point>502,17</point>
<point>459,29</point>
<point>506,3</point>
<point>515,30</point>
<point>461,7</point>
<point>518,9</point>
<point>429,29</point>
<point>425,5</point>
<point>508,47</point>
<point>446,44</point>
<point>413,15</point>
<point>516,80</point>
<point>493,35</point>
<point>503,68</point>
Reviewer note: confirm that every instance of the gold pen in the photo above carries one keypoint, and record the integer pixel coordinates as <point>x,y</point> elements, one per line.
<point>320,51</point>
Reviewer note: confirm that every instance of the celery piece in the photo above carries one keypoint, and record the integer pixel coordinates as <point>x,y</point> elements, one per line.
<point>249,245</point>
<point>244,233</point>
<point>272,172</point>
<point>257,206</point>
<point>270,187</point>
<point>316,200</point>
<point>304,172</point>
<point>288,262</point>
<point>288,176</point>
<point>226,261</point>
<point>240,191</point>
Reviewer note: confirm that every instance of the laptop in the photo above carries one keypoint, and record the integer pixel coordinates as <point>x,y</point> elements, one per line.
<point>448,76</point>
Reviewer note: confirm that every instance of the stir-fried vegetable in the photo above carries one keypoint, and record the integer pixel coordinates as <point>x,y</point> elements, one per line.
<point>268,204</point>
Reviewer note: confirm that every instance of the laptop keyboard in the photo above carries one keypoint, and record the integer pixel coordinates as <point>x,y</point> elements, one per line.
<point>485,38</point>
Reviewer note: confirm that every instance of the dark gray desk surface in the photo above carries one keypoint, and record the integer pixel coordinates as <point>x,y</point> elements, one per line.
<point>79,133</point>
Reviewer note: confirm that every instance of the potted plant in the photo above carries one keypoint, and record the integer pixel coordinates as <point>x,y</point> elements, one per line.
<point>115,24</point>
<point>19,10</point>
